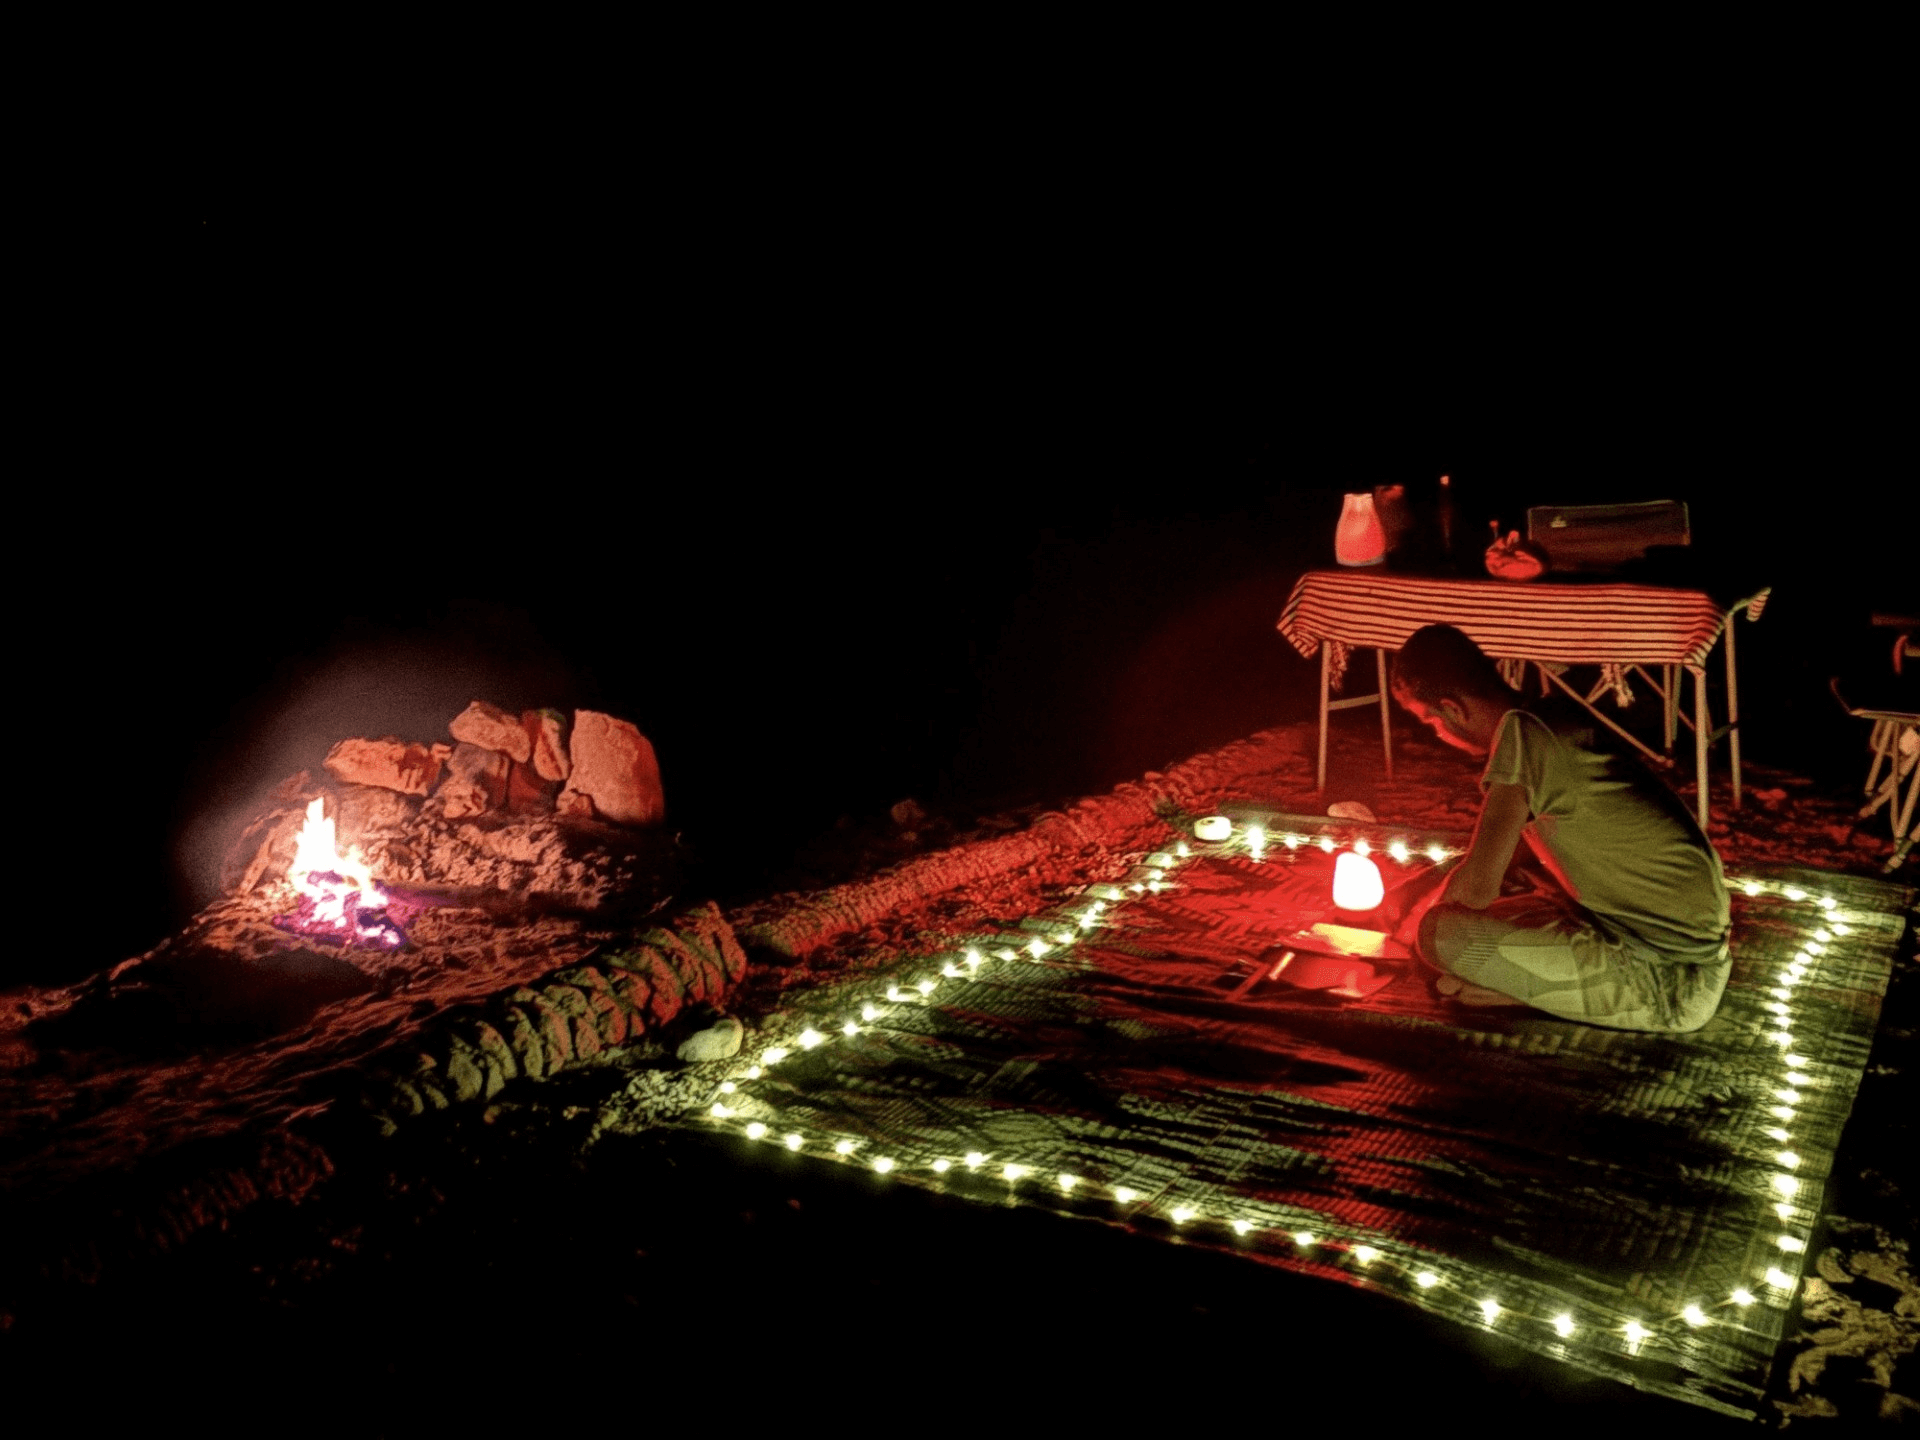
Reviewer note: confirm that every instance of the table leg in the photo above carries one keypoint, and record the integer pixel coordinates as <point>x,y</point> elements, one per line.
<point>1733,715</point>
<point>1670,703</point>
<point>1325,649</point>
<point>1702,736</point>
<point>1386,726</point>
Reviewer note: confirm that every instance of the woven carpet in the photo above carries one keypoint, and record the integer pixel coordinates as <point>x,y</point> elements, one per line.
<point>1634,1205</point>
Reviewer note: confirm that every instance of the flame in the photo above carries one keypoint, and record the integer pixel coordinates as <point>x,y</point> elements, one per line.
<point>338,892</point>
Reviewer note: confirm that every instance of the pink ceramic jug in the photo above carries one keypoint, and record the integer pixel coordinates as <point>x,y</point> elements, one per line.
<point>1359,539</point>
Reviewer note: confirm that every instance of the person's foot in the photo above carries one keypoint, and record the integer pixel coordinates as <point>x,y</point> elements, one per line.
<point>1454,988</point>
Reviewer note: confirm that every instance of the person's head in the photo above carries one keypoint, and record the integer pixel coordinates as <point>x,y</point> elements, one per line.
<point>1448,684</point>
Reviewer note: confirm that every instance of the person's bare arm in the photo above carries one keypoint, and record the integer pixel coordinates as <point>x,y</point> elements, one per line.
<point>1476,883</point>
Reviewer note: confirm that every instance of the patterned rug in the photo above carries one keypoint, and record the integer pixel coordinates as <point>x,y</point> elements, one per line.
<point>1183,1053</point>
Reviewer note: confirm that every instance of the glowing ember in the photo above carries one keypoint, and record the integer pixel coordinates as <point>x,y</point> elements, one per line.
<point>339,899</point>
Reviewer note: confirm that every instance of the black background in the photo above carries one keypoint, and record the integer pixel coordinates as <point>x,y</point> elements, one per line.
<point>846,495</point>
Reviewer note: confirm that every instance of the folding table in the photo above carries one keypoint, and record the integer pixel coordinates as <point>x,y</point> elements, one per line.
<point>1620,628</point>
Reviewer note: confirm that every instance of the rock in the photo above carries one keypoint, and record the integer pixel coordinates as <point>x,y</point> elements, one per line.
<point>492,728</point>
<point>719,1041</point>
<point>527,792</point>
<point>476,781</point>
<point>546,730</point>
<point>389,763</point>
<point>1352,810</point>
<point>614,768</point>
<point>908,815</point>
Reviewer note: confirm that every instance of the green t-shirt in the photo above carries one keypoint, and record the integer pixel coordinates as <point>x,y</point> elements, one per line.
<point>1621,842</point>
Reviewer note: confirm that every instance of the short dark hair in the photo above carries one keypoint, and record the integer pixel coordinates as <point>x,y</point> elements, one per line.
<point>1440,662</point>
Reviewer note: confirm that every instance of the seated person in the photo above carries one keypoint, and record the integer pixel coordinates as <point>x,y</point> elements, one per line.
<point>1631,930</point>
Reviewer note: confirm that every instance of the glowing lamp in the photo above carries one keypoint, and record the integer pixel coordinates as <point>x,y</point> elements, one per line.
<point>1742,1296</point>
<point>1563,1325</point>
<point>1213,828</point>
<point>1694,1316</point>
<point>1356,883</point>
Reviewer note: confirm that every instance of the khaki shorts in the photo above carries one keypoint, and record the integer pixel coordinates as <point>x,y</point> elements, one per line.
<point>1565,961</point>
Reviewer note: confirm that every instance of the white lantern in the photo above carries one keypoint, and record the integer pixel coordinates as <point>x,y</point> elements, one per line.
<point>1356,882</point>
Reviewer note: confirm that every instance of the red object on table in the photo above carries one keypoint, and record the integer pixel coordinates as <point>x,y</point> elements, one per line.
<point>1617,627</point>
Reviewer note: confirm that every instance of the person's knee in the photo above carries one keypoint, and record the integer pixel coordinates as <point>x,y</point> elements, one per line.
<point>1427,942</point>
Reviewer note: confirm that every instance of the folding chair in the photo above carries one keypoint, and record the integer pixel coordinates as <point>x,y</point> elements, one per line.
<point>1896,745</point>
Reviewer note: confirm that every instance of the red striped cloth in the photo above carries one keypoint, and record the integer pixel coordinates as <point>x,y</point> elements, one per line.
<point>1563,624</point>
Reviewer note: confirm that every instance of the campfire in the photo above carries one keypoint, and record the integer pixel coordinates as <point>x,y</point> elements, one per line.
<point>339,900</point>
<point>520,805</point>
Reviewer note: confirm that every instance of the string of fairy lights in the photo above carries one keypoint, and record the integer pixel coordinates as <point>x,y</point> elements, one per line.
<point>1050,939</point>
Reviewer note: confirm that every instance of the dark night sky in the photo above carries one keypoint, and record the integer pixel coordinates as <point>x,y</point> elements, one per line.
<point>839,519</point>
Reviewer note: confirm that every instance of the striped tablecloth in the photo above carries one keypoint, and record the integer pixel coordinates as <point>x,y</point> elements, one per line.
<point>1609,625</point>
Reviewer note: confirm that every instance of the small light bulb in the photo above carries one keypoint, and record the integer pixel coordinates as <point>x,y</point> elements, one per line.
<point>1800,1079</point>
<point>1181,850</point>
<point>940,1167</point>
<point>1013,1172</point>
<point>1779,1278</point>
<point>1006,953</point>
<point>850,1028</point>
<point>1742,1296</point>
<point>1751,888</point>
<point>775,1055</point>
<point>1292,842</point>
<point>950,970</point>
<point>1793,892</point>
<point>883,1164</point>
<point>1489,1310</point>
<point>1436,854</point>
<point>1780,1112</point>
<point>1155,886</point>
<point>1636,1332</point>
<point>1303,1238</point>
<point>1793,1245</point>
<point>1840,929</point>
<point>727,1087</point>
<point>1779,1007</point>
<point>843,1147</point>
<point>1137,888</point>
<point>721,1112</point>
<point>1256,840</point>
<point>1788,1159</point>
<point>1796,1061</point>
<point>753,1072</point>
<point>1398,850</point>
<point>756,1131</point>
<point>1426,1279</point>
<point>1241,1227</point>
<point>975,1160</point>
<point>1791,1097</point>
<point>1694,1316</point>
<point>925,987</point>
<point>810,1037</point>
<point>1563,1324</point>
<point>794,1142</point>
<point>1037,947</point>
<point>1775,1132</point>
<point>1783,1210</point>
<point>1823,934</point>
<point>1181,1214</point>
<point>1067,1182</point>
<point>1786,1184</point>
<point>1827,902</point>
<point>1365,1254</point>
<point>1124,1195</point>
<point>974,957</point>
<point>1360,847</point>
<point>869,1012</point>
<point>1326,843</point>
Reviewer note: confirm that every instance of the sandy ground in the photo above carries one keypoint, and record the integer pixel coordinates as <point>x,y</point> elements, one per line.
<point>521,1255</point>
